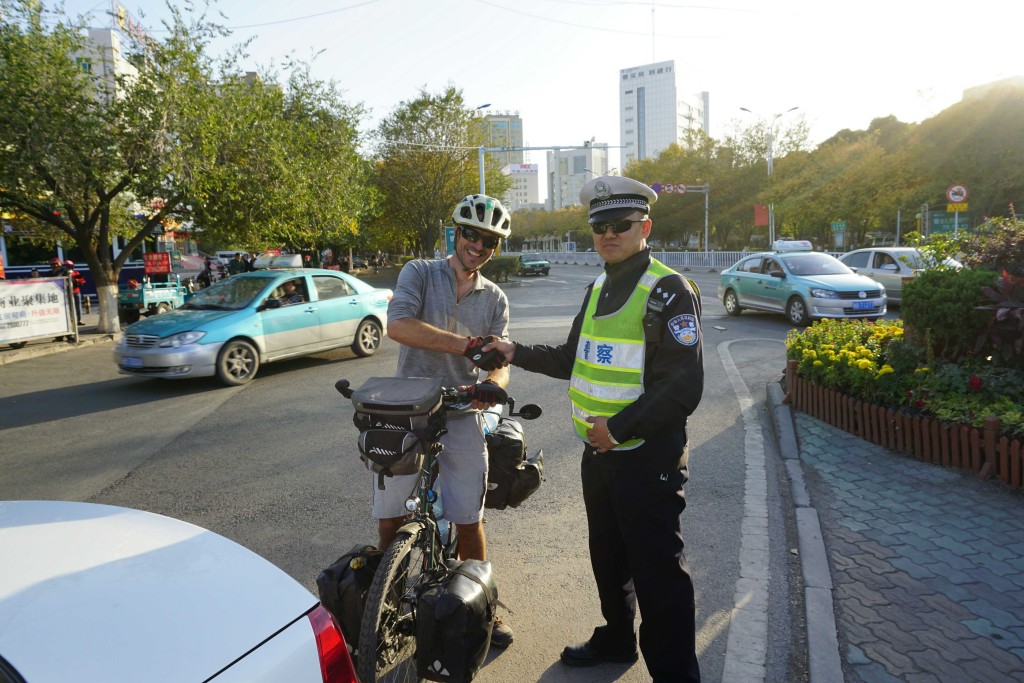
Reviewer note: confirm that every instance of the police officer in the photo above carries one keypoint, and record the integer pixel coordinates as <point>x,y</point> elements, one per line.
<point>636,372</point>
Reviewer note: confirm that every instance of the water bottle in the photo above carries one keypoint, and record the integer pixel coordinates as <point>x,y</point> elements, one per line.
<point>444,527</point>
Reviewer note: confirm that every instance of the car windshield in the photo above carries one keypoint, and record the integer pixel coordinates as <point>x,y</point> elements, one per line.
<point>815,264</point>
<point>532,257</point>
<point>228,295</point>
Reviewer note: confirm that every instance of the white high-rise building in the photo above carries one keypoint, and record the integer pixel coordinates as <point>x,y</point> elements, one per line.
<point>569,169</point>
<point>525,190</point>
<point>652,114</point>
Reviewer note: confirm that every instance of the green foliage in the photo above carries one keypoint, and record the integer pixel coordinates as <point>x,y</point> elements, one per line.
<point>1004,335</point>
<point>499,268</point>
<point>942,306</point>
<point>877,364</point>
<point>427,160</point>
<point>998,246</point>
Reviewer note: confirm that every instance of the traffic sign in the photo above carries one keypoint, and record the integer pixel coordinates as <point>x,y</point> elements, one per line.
<point>680,188</point>
<point>956,194</point>
<point>956,208</point>
<point>838,226</point>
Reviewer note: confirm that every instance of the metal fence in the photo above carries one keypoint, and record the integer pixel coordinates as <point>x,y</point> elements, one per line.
<point>680,260</point>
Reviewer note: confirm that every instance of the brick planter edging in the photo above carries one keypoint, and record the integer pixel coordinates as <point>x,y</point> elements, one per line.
<point>965,447</point>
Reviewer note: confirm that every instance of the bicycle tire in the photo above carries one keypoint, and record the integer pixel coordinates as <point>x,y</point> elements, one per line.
<point>387,638</point>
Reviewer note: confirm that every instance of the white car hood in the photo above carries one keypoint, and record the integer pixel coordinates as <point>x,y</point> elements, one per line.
<point>100,593</point>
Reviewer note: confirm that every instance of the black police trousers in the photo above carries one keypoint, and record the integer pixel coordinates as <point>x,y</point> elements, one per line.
<point>636,551</point>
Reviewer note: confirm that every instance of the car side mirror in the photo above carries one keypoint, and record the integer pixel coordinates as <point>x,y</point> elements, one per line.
<point>778,273</point>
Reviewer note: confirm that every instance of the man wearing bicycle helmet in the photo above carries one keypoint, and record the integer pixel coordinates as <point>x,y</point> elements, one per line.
<point>442,313</point>
<point>635,367</point>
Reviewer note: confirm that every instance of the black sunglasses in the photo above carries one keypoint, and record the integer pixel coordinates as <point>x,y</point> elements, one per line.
<point>471,235</point>
<point>618,227</point>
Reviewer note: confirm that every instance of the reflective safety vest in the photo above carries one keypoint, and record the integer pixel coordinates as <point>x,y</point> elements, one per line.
<point>608,373</point>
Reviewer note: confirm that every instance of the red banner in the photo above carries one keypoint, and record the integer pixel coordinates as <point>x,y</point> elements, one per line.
<point>157,263</point>
<point>760,215</point>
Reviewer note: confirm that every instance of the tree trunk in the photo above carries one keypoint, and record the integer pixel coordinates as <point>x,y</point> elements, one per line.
<point>107,297</point>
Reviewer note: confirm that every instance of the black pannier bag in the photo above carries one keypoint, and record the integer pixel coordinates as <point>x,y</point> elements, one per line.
<point>397,418</point>
<point>343,587</point>
<point>511,478</point>
<point>454,616</point>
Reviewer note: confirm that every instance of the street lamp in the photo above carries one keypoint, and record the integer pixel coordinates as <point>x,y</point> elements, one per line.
<point>770,138</point>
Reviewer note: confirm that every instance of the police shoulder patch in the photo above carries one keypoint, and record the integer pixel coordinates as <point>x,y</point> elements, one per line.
<point>684,329</point>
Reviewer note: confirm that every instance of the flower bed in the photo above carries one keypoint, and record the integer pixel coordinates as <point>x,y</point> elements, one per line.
<point>863,378</point>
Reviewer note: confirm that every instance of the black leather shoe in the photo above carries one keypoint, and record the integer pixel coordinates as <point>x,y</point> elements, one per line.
<point>584,654</point>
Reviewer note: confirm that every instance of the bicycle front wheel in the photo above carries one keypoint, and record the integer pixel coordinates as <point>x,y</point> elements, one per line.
<point>387,637</point>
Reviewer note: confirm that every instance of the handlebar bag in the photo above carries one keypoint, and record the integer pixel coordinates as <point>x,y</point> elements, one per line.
<point>392,453</point>
<point>454,616</point>
<point>398,418</point>
<point>408,404</point>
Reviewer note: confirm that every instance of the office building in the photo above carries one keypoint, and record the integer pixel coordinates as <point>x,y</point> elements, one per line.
<point>525,190</point>
<point>652,112</point>
<point>504,129</point>
<point>569,169</point>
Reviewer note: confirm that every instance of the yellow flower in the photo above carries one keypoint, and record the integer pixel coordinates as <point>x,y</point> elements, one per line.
<point>818,363</point>
<point>864,364</point>
<point>886,369</point>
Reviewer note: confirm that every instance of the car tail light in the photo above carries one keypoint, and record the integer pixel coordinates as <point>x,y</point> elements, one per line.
<point>335,662</point>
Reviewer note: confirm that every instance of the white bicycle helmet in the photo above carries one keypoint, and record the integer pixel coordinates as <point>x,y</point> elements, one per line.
<point>483,213</point>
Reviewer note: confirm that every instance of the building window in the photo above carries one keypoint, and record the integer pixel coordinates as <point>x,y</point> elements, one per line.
<point>629,92</point>
<point>660,70</point>
<point>625,77</point>
<point>85,64</point>
<point>579,164</point>
<point>651,72</point>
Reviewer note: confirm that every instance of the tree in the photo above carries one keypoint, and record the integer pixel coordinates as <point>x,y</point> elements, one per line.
<point>427,160</point>
<point>80,148</point>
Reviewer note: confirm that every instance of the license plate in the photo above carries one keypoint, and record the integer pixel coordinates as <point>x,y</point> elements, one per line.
<point>131,362</point>
<point>863,305</point>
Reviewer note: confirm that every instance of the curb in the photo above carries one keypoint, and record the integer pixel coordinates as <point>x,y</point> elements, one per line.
<point>27,352</point>
<point>823,659</point>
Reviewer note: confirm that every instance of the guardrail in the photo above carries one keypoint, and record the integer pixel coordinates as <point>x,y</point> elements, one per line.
<point>683,260</point>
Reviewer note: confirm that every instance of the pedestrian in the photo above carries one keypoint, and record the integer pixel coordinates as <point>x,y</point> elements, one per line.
<point>34,273</point>
<point>56,268</point>
<point>442,313</point>
<point>77,280</point>
<point>635,367</point>
<point>236,265</point>
<point>205,277</point>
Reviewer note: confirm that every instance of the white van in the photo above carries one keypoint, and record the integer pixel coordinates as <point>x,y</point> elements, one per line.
<point>225,256</point>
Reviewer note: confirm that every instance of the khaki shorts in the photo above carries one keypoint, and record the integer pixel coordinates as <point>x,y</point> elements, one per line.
<point>461,483</point>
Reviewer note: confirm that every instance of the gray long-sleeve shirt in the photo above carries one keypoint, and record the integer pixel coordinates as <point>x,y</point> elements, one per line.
<point>426,290</point>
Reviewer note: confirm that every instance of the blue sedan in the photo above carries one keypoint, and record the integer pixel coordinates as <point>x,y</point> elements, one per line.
<point>802,284</point>
<point>232,327</point>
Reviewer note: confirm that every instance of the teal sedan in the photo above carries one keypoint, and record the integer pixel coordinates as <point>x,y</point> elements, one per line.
<point>803,285</point>
<point>231,328</point>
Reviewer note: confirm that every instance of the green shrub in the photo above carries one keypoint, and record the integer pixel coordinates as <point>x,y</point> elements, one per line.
<point>940,309</point>
<point>499,268</point>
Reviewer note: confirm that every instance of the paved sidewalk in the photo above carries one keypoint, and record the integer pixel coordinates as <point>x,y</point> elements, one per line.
<point>87,334</point>
<point>926,563</point>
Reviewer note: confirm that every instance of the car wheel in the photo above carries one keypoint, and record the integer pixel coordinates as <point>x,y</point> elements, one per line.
<point>732,304</point>
<point>368,338</point>
<point>237,363</point>
<point>796,311</point>
<point>545,271</point>
<point>17,345</point>
<point>161,308</point>
<point>128,316</point>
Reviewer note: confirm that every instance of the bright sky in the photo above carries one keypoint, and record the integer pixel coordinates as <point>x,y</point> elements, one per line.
<point>557,62</point>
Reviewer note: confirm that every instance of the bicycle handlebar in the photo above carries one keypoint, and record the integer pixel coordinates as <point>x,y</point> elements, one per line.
<point>454,398</point>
